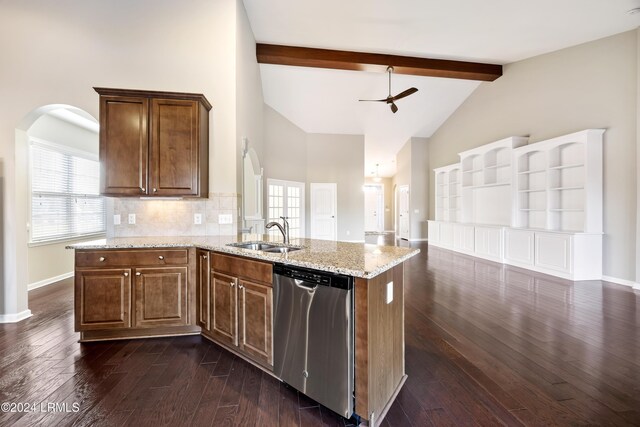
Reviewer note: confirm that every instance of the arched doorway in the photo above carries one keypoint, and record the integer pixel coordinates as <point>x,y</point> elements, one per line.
<point>59,124</point>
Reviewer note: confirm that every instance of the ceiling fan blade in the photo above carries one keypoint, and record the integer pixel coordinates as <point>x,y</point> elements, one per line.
<point>373,100</point>
<point>394,107</point>
<point>406,93</point>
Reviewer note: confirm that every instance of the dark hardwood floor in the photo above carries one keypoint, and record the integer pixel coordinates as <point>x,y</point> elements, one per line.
<point>485,345</point>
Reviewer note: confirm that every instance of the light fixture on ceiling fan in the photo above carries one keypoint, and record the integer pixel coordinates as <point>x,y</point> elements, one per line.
<point>391,99</point>
<point>376,177</point>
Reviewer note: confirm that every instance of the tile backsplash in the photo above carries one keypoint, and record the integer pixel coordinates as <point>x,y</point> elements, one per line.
<point>173,217</point>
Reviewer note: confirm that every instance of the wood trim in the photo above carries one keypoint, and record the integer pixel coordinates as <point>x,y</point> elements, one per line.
<point>241,267</point>
<point>361,318</point>
<point>120,334</point>
<point>375,62</point>
<point>155,94</point>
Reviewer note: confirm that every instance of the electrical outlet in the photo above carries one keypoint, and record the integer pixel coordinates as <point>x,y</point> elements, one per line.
<point>389,292</point>
<point>197,218</point>
<point>225,219</point>
<point>416,211</point>
<point>116,219</point>
<point>132,219</point>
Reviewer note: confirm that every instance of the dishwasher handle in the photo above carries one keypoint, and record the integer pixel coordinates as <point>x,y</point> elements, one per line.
<point>305,285</point>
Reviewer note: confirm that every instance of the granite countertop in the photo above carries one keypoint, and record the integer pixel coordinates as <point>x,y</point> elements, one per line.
<point>353,259</point>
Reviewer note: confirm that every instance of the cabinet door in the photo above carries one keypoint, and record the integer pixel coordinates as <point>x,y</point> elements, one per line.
<point>161,296</point>
<point>123,145</point>
<point>224,311</point>
<point>202,290</point>
<point>553,252</point>
<point>175,153</point>
<point>256,323</point>
<point>102,299</point>
<point>519,247</point>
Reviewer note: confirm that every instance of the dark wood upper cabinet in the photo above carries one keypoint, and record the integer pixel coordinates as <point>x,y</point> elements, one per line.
<point>153,143</point>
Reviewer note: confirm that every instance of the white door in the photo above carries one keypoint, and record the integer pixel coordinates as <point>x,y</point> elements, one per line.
<point>403,208</point>
<point>286,198</point>
<point>324,218</point>
<point>373,207</point>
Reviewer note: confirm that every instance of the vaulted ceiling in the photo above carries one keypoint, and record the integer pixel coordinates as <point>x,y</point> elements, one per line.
<point>494,31</point>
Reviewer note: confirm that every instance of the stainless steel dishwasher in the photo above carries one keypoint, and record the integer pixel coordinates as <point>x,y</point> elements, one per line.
<point>313,335</point>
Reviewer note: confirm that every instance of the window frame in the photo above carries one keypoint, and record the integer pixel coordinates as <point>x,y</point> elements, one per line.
<point>70,151</point>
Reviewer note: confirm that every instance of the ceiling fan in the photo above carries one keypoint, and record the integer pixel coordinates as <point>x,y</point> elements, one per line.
<point>391,99</point>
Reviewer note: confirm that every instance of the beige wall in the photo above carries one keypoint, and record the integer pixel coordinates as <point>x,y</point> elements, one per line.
<point>593,85</point>
<point>55,52</point>
<point>339,159</point>
<point>293,155</point>
<point>412,170</point>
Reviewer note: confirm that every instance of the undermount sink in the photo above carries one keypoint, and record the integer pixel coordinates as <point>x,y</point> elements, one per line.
<point>280,249</point>
<point>253,246</point>
<point>264,247</point>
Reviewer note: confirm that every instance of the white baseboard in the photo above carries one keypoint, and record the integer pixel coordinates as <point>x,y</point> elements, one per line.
<point>14,317</point>
<point>418,240</point>
<point>49,281</point>
<point>625,282</point>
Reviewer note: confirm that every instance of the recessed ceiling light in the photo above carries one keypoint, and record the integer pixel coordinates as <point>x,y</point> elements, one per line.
<point>634,11</point>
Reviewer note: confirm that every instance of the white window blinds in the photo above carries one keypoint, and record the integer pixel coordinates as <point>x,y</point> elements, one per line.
<point>65,199</point>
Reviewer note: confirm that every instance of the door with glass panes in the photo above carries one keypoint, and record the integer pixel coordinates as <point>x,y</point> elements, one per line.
<point>286,198</point>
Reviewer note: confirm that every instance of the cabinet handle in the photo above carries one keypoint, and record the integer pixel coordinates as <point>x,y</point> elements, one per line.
<point>160,257</point>
<point>204,256</point>
<point>142,189</point>
<point>232,284</point>
<point>138,273</point>
<point>101,259</point>
<point>240,287</point>
<point>155,190</point>
<point>126,274</point>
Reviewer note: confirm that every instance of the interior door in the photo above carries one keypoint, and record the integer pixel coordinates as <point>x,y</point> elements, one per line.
<point>286,198</point>
<point>403,204</point>
<point>324,201</point>
<point>373,208</point>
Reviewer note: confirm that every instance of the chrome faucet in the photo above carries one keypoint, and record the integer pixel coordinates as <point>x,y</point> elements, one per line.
<point>284,230</point>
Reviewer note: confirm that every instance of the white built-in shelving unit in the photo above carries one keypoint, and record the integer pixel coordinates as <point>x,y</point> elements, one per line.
<point>537,206</point>
<point>448,193</point>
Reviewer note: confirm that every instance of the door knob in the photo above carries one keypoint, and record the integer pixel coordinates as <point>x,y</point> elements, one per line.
<point>240,287</point>
<point>126,274</point>
<point>204,256</point>
<point>101,259</point>
<point>143,189</point>
<point>138,273</point>
<point>232,284</point>
<point>155,190</point>
<point>160,257</point>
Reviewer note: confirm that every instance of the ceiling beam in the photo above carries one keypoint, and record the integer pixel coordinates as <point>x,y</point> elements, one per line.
<point>375,62</point>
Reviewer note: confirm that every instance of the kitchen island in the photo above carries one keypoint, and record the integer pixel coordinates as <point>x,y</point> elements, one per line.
<point>160,286</point>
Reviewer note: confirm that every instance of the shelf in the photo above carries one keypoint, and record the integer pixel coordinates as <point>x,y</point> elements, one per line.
<point>575,165</point>
<point>497,184</point>
<point>472,170</point>
<point>532,210</point>
<point>454,183</point>
<point>504,165</point>
<point>567,188</point>
<point>528,172</point>
<point>531,191</point>
<point>566,210</point>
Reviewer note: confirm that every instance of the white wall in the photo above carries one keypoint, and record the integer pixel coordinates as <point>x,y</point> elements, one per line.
<point>593,85</point>
<point>55,52</point>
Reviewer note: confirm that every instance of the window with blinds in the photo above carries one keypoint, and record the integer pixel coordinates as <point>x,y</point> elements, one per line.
<point>65,193</point>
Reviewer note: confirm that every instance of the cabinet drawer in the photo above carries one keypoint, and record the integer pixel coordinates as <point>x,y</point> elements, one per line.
<point>127,258</point>
<point>242,267</point>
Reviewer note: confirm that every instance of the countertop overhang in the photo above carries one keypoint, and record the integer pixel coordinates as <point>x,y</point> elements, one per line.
<point>352,259</point>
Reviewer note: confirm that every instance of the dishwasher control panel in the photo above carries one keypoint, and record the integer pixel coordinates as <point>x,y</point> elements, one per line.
<point>314,276</point>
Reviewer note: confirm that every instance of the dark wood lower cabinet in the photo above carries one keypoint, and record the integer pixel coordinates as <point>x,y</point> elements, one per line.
<point>241,306</point>
<point>160,296</point>
<point>203,298</point>
<point>256,320</point>
<point>224,313</point>
<point>103,299</point>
